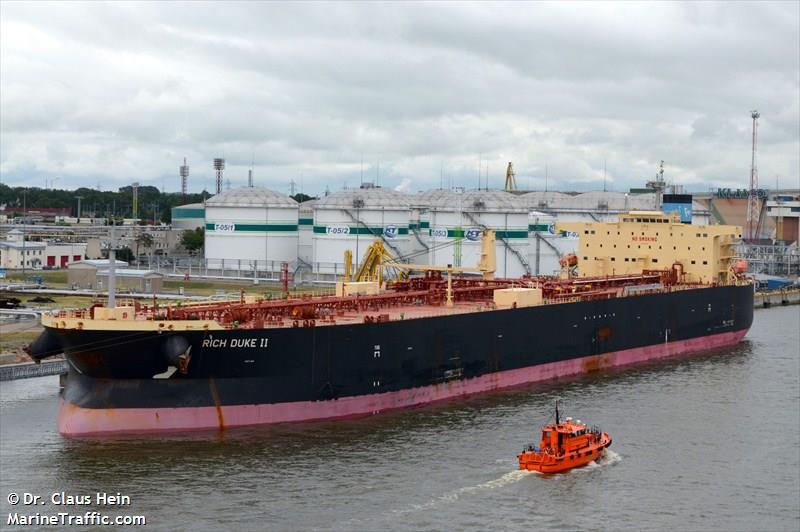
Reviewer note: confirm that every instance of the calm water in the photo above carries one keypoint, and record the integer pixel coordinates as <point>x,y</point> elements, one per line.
<point>706,443</point>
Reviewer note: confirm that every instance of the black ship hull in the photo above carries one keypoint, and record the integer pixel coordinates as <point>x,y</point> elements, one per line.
<point>124,381</point>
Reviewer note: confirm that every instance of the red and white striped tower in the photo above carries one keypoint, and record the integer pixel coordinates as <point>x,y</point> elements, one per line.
<point>752,195</point>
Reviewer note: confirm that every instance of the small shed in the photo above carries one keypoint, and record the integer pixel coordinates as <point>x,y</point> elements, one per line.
<point>145,281</point>
<point>83,274</point>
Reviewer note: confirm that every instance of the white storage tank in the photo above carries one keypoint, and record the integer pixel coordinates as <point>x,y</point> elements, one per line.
<point>546,246</point>
<point>190,216</point>
<point>306,232</point>
<point>588,206</point>
<point>251,229</point>
<point>352,219</point>
<point>419,227</point>
<point>456,223</point>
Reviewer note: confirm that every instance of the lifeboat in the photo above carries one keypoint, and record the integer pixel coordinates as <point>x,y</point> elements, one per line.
<point>564,446</point>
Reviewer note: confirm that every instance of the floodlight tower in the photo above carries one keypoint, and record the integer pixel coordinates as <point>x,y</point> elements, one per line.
<point>752,194</point>
<point>184,172</point>
<point>219,166</point>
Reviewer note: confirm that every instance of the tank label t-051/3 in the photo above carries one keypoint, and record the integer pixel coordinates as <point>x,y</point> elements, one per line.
<point>236,343</point>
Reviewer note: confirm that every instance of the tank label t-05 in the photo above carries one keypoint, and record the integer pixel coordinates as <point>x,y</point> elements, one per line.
<point>236,343</point>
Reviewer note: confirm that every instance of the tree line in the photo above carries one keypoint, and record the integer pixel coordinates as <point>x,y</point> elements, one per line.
<point>153,204</point>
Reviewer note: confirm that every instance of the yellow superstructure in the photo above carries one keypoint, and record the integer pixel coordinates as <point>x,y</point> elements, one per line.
<point>653,240</point>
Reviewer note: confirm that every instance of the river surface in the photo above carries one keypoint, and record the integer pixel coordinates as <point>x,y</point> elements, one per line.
<point>710,442</point>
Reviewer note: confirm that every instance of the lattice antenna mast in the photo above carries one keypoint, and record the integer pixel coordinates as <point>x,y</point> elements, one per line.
<point>184,173</point>
<point>219,166</point>
<point>752,195</point>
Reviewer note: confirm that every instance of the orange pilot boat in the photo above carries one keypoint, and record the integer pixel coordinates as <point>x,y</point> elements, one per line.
<point>564,446</point>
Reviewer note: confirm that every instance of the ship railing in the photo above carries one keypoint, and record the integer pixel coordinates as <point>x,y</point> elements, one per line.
<point>73,313</point>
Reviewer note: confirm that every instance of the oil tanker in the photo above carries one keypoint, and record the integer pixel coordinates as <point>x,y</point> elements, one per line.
<point>640,288</point>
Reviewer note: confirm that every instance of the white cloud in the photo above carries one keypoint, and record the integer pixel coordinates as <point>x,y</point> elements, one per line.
<point>123,91</point>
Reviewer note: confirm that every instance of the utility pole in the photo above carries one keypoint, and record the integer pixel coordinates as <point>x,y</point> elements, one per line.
<point>545,177</point>
<point>79,198</point>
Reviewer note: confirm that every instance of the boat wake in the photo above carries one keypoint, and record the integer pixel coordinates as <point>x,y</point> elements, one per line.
<point>608,458</point>
<point>508,478</point>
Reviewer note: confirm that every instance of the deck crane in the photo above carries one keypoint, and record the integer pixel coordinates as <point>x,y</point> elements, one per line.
<point>370,270</point>
<point>377,258</point>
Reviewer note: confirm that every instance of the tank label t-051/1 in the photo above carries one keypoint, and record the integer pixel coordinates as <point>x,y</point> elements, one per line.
<point>236,343</point>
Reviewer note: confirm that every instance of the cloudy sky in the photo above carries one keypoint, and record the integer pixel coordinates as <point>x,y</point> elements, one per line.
<point>424,93</point>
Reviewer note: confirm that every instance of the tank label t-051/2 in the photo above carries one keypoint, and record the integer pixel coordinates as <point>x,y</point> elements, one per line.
<point>236,343</point>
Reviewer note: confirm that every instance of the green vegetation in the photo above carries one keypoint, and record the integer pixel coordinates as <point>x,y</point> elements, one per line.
<point>55,278</point>
<point>193,240</point>
<point>13,341</point>
<point>100,203</point>
<point>105,204</point>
